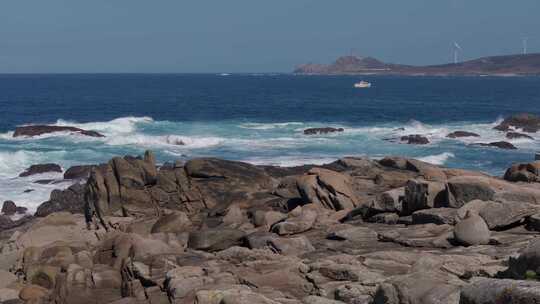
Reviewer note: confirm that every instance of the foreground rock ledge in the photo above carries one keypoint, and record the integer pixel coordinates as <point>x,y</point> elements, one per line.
<point>215,231</point>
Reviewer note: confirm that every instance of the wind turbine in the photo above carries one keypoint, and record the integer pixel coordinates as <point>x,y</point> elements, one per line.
<point>457,49</point>
<point>524,40</point>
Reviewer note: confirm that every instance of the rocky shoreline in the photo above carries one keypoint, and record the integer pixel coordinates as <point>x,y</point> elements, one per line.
<point>357,230</point>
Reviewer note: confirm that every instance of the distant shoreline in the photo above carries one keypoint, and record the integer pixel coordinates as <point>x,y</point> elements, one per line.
<point>496,66</point>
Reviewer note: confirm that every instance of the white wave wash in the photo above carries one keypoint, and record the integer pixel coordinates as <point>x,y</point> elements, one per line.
<point>169,141</point>
<point>113,127</point>
<point>269,126</point>
<point>280,144</point>
<point>24,190</point>
<point>438,159</point>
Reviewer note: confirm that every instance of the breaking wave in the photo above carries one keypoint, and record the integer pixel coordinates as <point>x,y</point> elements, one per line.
<point>438,159</point>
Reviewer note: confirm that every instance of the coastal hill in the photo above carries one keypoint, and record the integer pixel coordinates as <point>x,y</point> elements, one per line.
<point>507,65</point>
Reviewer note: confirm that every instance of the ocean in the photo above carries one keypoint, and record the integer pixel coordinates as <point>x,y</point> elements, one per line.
<point>257,118</point>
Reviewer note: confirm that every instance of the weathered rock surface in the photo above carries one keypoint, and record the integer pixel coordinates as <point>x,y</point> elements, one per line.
<point>472,230</point>
<point>488,291</point>
<point>355,231</point>
<point>329,189</point>
<point>439,216</point>
<point>529,172</point>
<point>79,172</point>
<point>300,219</point>
<point>174,222</point>
<point>71,199</point>
<point>423,195</point>
<point>528,260</point>
<point>419,287</point>
<point>215,239</point>
<point>36,130</point>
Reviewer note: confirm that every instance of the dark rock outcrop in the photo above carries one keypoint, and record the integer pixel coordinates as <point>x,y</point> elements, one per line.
<point>9,208</point>
<point>36,130</point>
<point>529,172</point>
<point>41,168</point>
<point>415,139</point>
<point>516,135</point>
<point>529,123</point>
<point>79,172</point>
<point>423,195</point>
<point>325,130</point>
<point>70,199</point>
<point>458,134</point>
<point>498,144</point>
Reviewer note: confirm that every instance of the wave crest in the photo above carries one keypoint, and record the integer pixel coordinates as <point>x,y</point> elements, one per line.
<point>437,159</point>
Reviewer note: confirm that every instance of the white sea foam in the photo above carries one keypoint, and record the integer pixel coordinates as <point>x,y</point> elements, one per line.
<point>153,141</point>
<point>7,136</point>
<point>25,192</point>
<point>13,163</point>
<point>438,159</point>
<point>269,126</point>
<point>283,144</point>
<point>13,187</point>
<point>113,127</point>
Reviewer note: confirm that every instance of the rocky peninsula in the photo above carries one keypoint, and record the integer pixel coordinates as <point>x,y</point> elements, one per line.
<point>506,65</point>
<point>211,231</point>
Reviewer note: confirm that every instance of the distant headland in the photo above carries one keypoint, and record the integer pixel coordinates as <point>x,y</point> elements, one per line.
<point>506,65</point>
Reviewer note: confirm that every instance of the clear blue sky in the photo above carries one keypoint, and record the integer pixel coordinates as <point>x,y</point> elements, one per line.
<point>252,35</point>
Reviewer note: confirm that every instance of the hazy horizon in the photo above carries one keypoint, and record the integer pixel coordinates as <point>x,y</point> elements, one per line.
<point>61,36</point>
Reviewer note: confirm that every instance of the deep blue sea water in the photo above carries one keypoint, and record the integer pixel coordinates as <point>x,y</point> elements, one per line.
<point>257,118</point>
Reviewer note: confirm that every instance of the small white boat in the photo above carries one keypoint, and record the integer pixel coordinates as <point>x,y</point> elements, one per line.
<point>362,85</point>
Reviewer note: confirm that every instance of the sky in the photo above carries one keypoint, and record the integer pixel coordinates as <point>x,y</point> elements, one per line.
<point>201,36</point>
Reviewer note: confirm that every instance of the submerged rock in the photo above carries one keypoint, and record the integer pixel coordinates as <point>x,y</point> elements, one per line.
<point>326,130</point>
<point>36,130</point>
<point>497,144</point>
<point>516,135</point>
<point>457,134</point>
<point>415,139</point>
